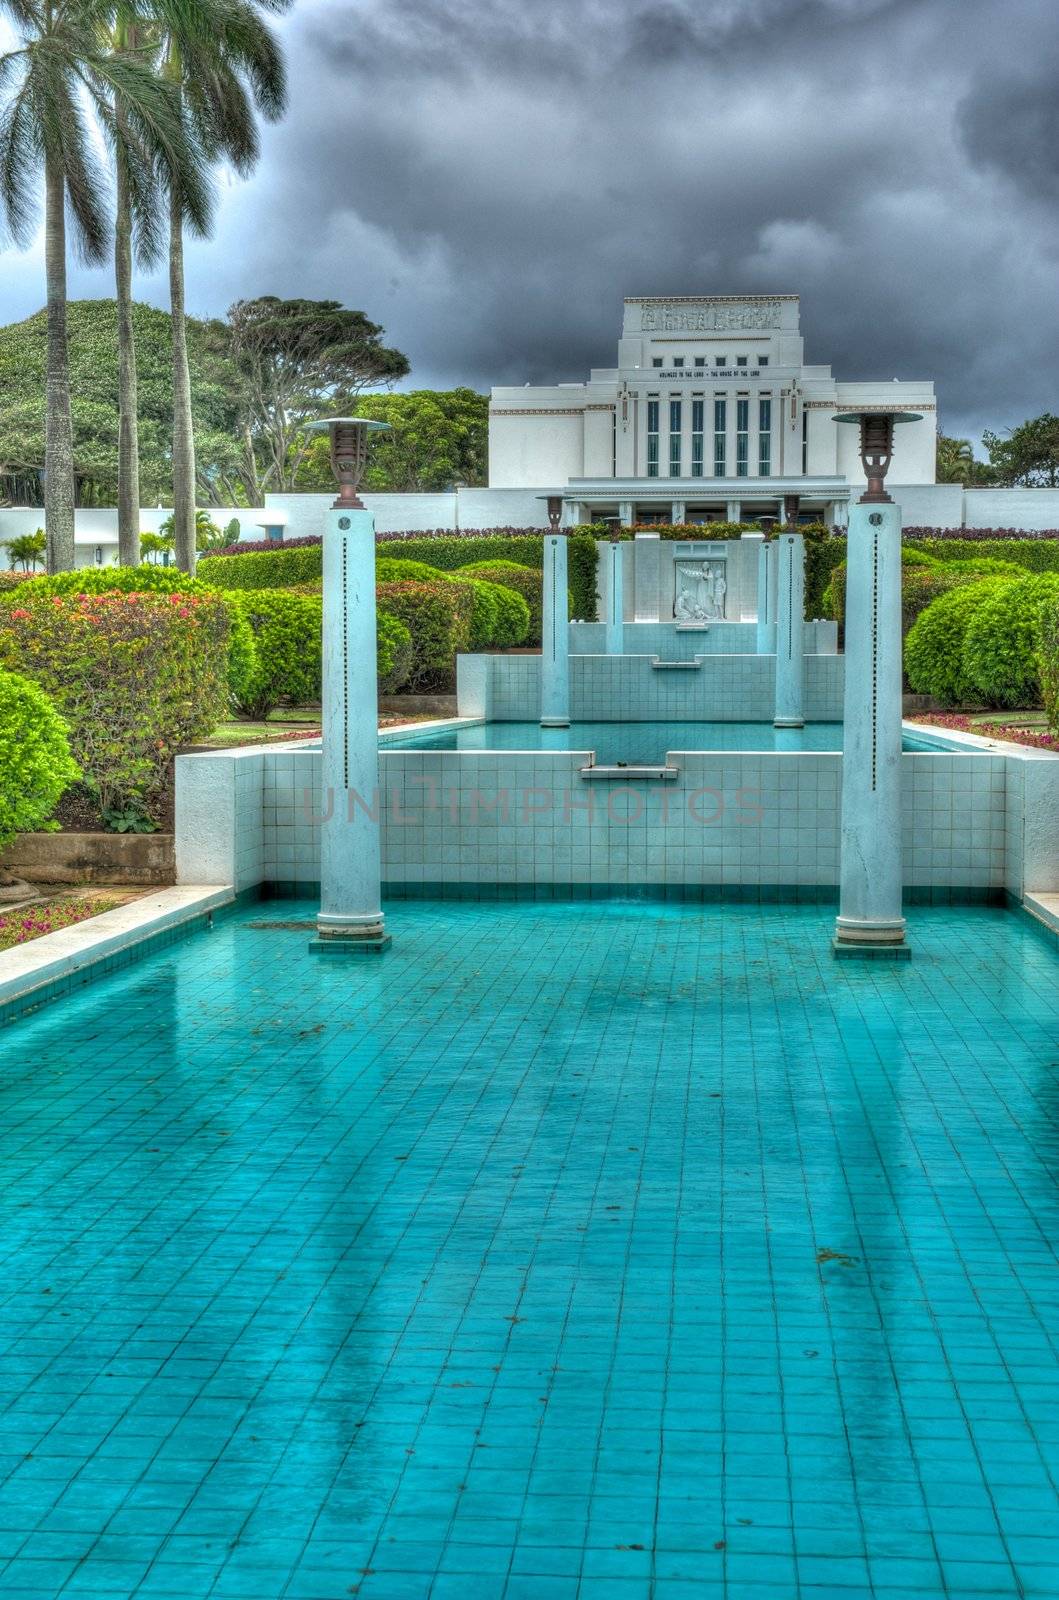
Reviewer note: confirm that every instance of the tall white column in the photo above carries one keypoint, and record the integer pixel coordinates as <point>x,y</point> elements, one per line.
<point>766,598</point>
<point>647,577</point>
<point>615,590</point>
<point>870,911</point>
<point>350,916</point>
<point>555,639</point>
<point>790,631</point>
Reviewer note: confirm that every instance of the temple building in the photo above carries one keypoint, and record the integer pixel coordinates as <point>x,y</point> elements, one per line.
<point>711,413</point>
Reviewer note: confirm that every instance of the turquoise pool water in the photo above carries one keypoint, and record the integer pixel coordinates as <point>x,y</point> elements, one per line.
<point>608,1251</point>
<point>634,742</point>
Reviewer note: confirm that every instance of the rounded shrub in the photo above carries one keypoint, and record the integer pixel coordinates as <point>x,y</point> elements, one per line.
<point>1048,660</point>
<point>263,569</point>
<point>134,676</point>
<point>395,653</point>
<point>526,581</point>
<point>438,617</point>
<point>287,629</point>
<point>148,579</point>
<point>510,615</point>
<point>934,647</point>
<point>922,581</point>
<point>1000,646</point>
<point>35,761</point>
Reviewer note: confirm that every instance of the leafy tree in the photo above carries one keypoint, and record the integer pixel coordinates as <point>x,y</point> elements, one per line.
<point>956,462</point>
<point>207,533</point>
<point>61,86</point>
<point>1028,454</point>
<point>95,387</point>
<point>299,359</point>
<point>156,548</point>
<point>225,73</point>
<point>438,438</point>
<point>29,549</point>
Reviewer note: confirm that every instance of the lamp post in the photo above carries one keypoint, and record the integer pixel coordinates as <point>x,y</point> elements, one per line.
<point>615,621</point>
<point>870,919</point>
<point>350,919</point>
<point>555,632</point>
<point>790,631</point>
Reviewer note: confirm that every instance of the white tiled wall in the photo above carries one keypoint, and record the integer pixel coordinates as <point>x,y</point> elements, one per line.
<point>670,643</point>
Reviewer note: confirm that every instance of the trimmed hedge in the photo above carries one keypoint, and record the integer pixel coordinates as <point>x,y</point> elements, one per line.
<point>1000,646</point>
<point>394,652</point>
<point>499,617</point>
<point>35,761</point>
<point>135,676</point>
<point>1035,552</point>
<point>923,580</point>
<point>438,617</point>
<point>277,568</point>
<point>148,579</point>
<point>934,647</point>
<point>526,581</point>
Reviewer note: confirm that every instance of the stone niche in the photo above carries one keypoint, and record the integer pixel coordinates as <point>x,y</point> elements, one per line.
<point>700,583</point>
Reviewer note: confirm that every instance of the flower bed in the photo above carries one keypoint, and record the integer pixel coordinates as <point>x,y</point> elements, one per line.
<point>32,922</point>
<point>1010,733</point>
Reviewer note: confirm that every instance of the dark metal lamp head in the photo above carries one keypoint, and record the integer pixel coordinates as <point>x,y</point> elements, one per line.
<point>555,510</point>
<point>350,437</point>
<point>876,425</point>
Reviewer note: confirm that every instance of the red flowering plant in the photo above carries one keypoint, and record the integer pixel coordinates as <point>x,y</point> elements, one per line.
<point>134,676</point>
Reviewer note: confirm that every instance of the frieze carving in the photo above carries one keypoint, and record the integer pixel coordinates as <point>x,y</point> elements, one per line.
<point>701,591</point>
<point>709,317</point>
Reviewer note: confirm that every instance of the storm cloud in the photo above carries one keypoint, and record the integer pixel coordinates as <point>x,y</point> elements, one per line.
<point>488,178</point>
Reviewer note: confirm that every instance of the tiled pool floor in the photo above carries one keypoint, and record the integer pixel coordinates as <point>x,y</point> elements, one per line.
<point>569,1252</point>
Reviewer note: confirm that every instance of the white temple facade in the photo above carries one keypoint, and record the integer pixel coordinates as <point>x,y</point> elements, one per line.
<point>711,413</point>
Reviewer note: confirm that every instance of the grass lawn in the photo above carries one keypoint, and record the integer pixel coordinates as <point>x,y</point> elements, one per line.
<point>290,722</point>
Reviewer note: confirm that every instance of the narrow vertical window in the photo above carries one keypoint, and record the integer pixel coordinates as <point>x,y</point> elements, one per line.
<point>698,410</point>
<point>652,438</point>
<point>805,444</point>
<point>674,438</point>
<point>764,448</point>
<point>720,428</point>
<point>742,438</point>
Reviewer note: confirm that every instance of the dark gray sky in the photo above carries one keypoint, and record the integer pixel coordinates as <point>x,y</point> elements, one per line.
<point>488,178</point>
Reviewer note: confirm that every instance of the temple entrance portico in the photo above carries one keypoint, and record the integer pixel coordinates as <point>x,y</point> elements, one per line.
<point>630,502</point>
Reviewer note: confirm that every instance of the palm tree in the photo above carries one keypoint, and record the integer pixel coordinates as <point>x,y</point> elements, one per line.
<point>226,64</point>
<point>55,84</point>
<point>28,549</point>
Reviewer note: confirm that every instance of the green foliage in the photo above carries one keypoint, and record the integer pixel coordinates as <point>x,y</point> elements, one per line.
<point>395,653</point>
<point>526,581</point>
<point>923,579</point>
<point>1028,454</point>
<point>288,641</point>
<point>1001,642</point>
<point>263,569</point>
<point>955,462</point>
<point>152,580</point>
<point>1048,661</point>
<point>438,438</point>
<point>94,392</point>
<point>511,615</point>
<point>499,617</point>
<point>29,549</point>
<point>35,760</point>
<point>438,617</point>
<point>135,676</point>
<point>1036,555</point>
<point>934,647</point>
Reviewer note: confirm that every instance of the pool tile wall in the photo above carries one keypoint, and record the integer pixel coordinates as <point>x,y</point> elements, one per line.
<point>752,818</point>
<point>669,643</point>
<point>726,688</point>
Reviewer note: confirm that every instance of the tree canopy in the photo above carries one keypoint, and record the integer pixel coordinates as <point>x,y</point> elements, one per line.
<point>1027,455</point>
<point>438,438</point>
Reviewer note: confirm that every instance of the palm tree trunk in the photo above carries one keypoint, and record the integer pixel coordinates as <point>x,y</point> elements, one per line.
<point>58,439</point>
<point>128,396</point>
<point>183,436</point>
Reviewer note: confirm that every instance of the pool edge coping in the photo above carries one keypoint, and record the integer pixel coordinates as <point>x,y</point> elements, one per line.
<point>30,973</point>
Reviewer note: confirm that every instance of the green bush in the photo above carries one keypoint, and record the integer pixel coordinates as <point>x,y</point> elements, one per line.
<point>499,617</point>
<point>1048,660</point>
<point>134,676</point>
<point>511,615</point>
<point>922,581</point>
<point>288,639</point>
<point>934,647</point>
<point>395,653</point>
<point>35,760</point>
<point>263,569</point>
<point>149,579</point>
<point>1036,555</point>
<point>1000,646</point>
<point>526,581</point>
<point>438,617</point>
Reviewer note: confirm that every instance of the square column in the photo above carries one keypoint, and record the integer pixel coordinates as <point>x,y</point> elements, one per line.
<point>555,635</point>
<point>614,615</point>
<point>350,916</point>
<point>678,512</point>
<point>767,567</point>
<point>790,631</point>
<point>870,910</point>
<point>735,511</point>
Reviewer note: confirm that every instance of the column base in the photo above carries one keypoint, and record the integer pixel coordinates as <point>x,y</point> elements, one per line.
<point>863,951</point>
<point>788,722</point>
<point>555,722</point>
<point>347,944</point>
